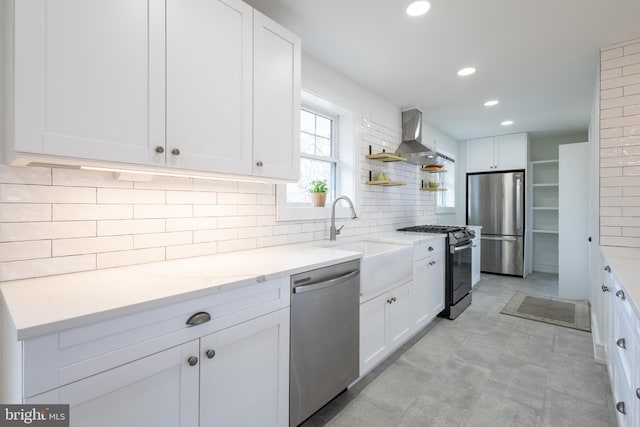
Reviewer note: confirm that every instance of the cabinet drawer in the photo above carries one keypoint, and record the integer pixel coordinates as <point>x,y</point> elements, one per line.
<point>57,359</point>
<point>424,249</point>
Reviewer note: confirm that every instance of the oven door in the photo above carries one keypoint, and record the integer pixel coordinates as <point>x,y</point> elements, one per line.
<point>460,257</point>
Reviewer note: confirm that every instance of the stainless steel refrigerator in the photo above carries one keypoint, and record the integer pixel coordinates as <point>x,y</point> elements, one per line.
<point>495,201</point>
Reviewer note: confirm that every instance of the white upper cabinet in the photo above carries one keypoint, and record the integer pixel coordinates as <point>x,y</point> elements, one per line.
<point>209,87</point>
<point>89,78</point>
<point>276,100</point>
<point>505,152</point>
<point>204,85</point>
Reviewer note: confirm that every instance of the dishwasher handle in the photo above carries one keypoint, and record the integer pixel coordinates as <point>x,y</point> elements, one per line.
<point>325,284</point>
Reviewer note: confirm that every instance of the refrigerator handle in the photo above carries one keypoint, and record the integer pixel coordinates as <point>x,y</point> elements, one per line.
<point>519,224</point>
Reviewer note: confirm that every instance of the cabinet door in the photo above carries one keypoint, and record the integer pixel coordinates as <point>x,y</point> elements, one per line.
<point>276,102</point>
<point>89,78</point>
<point>480,155</point>
<point>420,305</point>
<point>158,390</point>
<point>246,382</point>
<point>398,317</point>
<point>373,332</point>
<point>209,85</point>
<point>511,151</point>
<point>435,279</point>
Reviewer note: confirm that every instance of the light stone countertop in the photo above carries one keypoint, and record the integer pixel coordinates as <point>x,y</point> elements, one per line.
<point>50,304</point>
<point>625,263</point>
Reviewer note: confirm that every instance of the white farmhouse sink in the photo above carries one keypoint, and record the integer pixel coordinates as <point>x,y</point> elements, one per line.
<point>383,265</point>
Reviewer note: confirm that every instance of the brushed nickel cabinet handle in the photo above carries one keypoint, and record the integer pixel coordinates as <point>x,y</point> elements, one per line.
<point>175,152</point>
<point>622,343</point>
<point>159,149</point>
<point>259,163</point>
<point>620,294</point>
<point>199,318</point>
<point>607,269</point>
<point>620,408</point>
<point>210,353</point>
<point>605,288</point>
<point>192,361</point>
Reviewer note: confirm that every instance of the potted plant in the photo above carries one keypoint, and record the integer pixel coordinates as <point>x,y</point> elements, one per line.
<point>318,190</point>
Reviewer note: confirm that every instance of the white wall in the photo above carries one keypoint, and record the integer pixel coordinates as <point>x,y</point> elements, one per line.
<point>55,221</point>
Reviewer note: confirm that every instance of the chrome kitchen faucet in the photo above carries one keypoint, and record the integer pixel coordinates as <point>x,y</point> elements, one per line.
<point>332,230</point>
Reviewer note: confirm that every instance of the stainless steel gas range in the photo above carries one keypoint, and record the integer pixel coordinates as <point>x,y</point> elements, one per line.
<point>458,265</point>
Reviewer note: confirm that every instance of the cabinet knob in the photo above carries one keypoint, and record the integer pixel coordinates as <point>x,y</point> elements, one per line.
<point>159,149</point>
<point>620,408</point>
<point>192,361</point>
<point>430,248</point>
<point>175,152</point>
<point>622,343</point>
<point>607,269</point>
<point>389,301</point>
<point>605,288</point>
<point>393,299</point>
<point>199,318</point>
<point>620,294</point>
<point>210,353</point>
<point>638,393</point>
<point>259,163</point>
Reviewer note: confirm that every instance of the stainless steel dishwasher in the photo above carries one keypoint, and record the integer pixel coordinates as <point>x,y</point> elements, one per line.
<point>325,336</point>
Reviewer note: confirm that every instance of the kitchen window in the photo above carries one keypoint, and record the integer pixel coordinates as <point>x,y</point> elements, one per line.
<point>318,156</point>
<point>328,135</point>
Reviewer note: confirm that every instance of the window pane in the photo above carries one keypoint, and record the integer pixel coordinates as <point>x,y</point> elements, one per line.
<point>307,143</point>
<point>323,147</point>
<point>307,121</point>
<point>323,127</point>
<point>311,169</point>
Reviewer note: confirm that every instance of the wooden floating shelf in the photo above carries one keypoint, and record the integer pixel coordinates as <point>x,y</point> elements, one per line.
<point>433,170</point>
<point>386,157</point>
<point>386,182</point>
<point>432,189</point>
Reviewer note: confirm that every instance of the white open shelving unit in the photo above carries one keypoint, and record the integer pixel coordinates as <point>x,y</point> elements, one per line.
<point>544,214</point>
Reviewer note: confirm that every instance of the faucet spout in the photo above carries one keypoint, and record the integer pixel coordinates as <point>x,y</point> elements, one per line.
<point>332,230</point>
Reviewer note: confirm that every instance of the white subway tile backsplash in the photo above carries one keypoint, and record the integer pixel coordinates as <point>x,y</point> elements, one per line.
<point>631,69</point>
<point>215,186</point>
<point>256,188</point>
<point>130,226</point>
<point>201,236</point>
<point>611,53</point>
<point>187,251</point>
<point>191,197</point>
<point>631,242</point>
<point>611,133</point>
<point>156,240</point>
<point>610,162</point>
<point>631,49</point>
<point>24,212</point>
<point>630,191</point>
<point>215,210</point>
<point>15,251</point>
<point>619,122</point>
<point>15,270</point>
<point>237,245</point>
<point>17,193</point>
<point>162,211</point>
<point>165,183</point>
<point>73,211</point>
<point>628,221</point>
<point>631,110</point>
<point>613,73</point>
<point>611,93</point>
<point>22,231</point>
<point>620,62</point>
<point>609,172</point>
<point>244,233</point>
<point>136,256</point>
<point>611,191</point>
<point>24,175</point>
<point>236,199</point>
<point>274,241</point>
<point>619,102</point>
<point>612,211</point>
<point>237,221</point>
<point>140,197</point>
<point>625,81</point>
<point>89,245</point>
<point>629,211</point>
<point>611,112</point>
<point>630,232</point>
<point>610,231</point>
<point>633,89</point>
<point>183,224</point>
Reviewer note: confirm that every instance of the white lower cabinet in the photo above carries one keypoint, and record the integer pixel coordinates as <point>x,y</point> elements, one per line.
<point>384,324</point>
<point>246,380</point>
<point>622,350</point>
<point>158,390</point>
<point>216,360</point>
<point>427,298</point>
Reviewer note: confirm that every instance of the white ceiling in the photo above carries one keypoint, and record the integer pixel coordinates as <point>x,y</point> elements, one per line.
<point>538,57</point>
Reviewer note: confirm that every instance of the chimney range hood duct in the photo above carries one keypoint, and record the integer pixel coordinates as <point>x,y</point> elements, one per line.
<point>411,146</point>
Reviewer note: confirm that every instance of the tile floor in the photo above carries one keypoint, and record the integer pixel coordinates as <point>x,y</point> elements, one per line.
<point>483,369</point>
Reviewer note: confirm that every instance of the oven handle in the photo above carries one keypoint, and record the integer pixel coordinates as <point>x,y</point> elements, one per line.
<point>455,249</point>
<point>505,239</point>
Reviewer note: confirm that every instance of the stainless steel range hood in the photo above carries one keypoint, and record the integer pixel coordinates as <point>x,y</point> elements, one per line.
<point>411,146</point>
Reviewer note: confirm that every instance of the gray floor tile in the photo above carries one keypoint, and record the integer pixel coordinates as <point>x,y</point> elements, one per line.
<point>567,411</point>
<point>483,369</point>
<point>496,407</point>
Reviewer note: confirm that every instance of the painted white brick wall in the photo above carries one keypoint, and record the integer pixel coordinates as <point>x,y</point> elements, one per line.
<point>55,221</point>
<point>620,144</point>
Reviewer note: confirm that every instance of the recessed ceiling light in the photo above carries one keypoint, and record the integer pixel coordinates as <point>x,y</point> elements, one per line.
<point>466,71</point>
<point>418,8</point>
<point>491,103</point>
<point>507,123</point>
